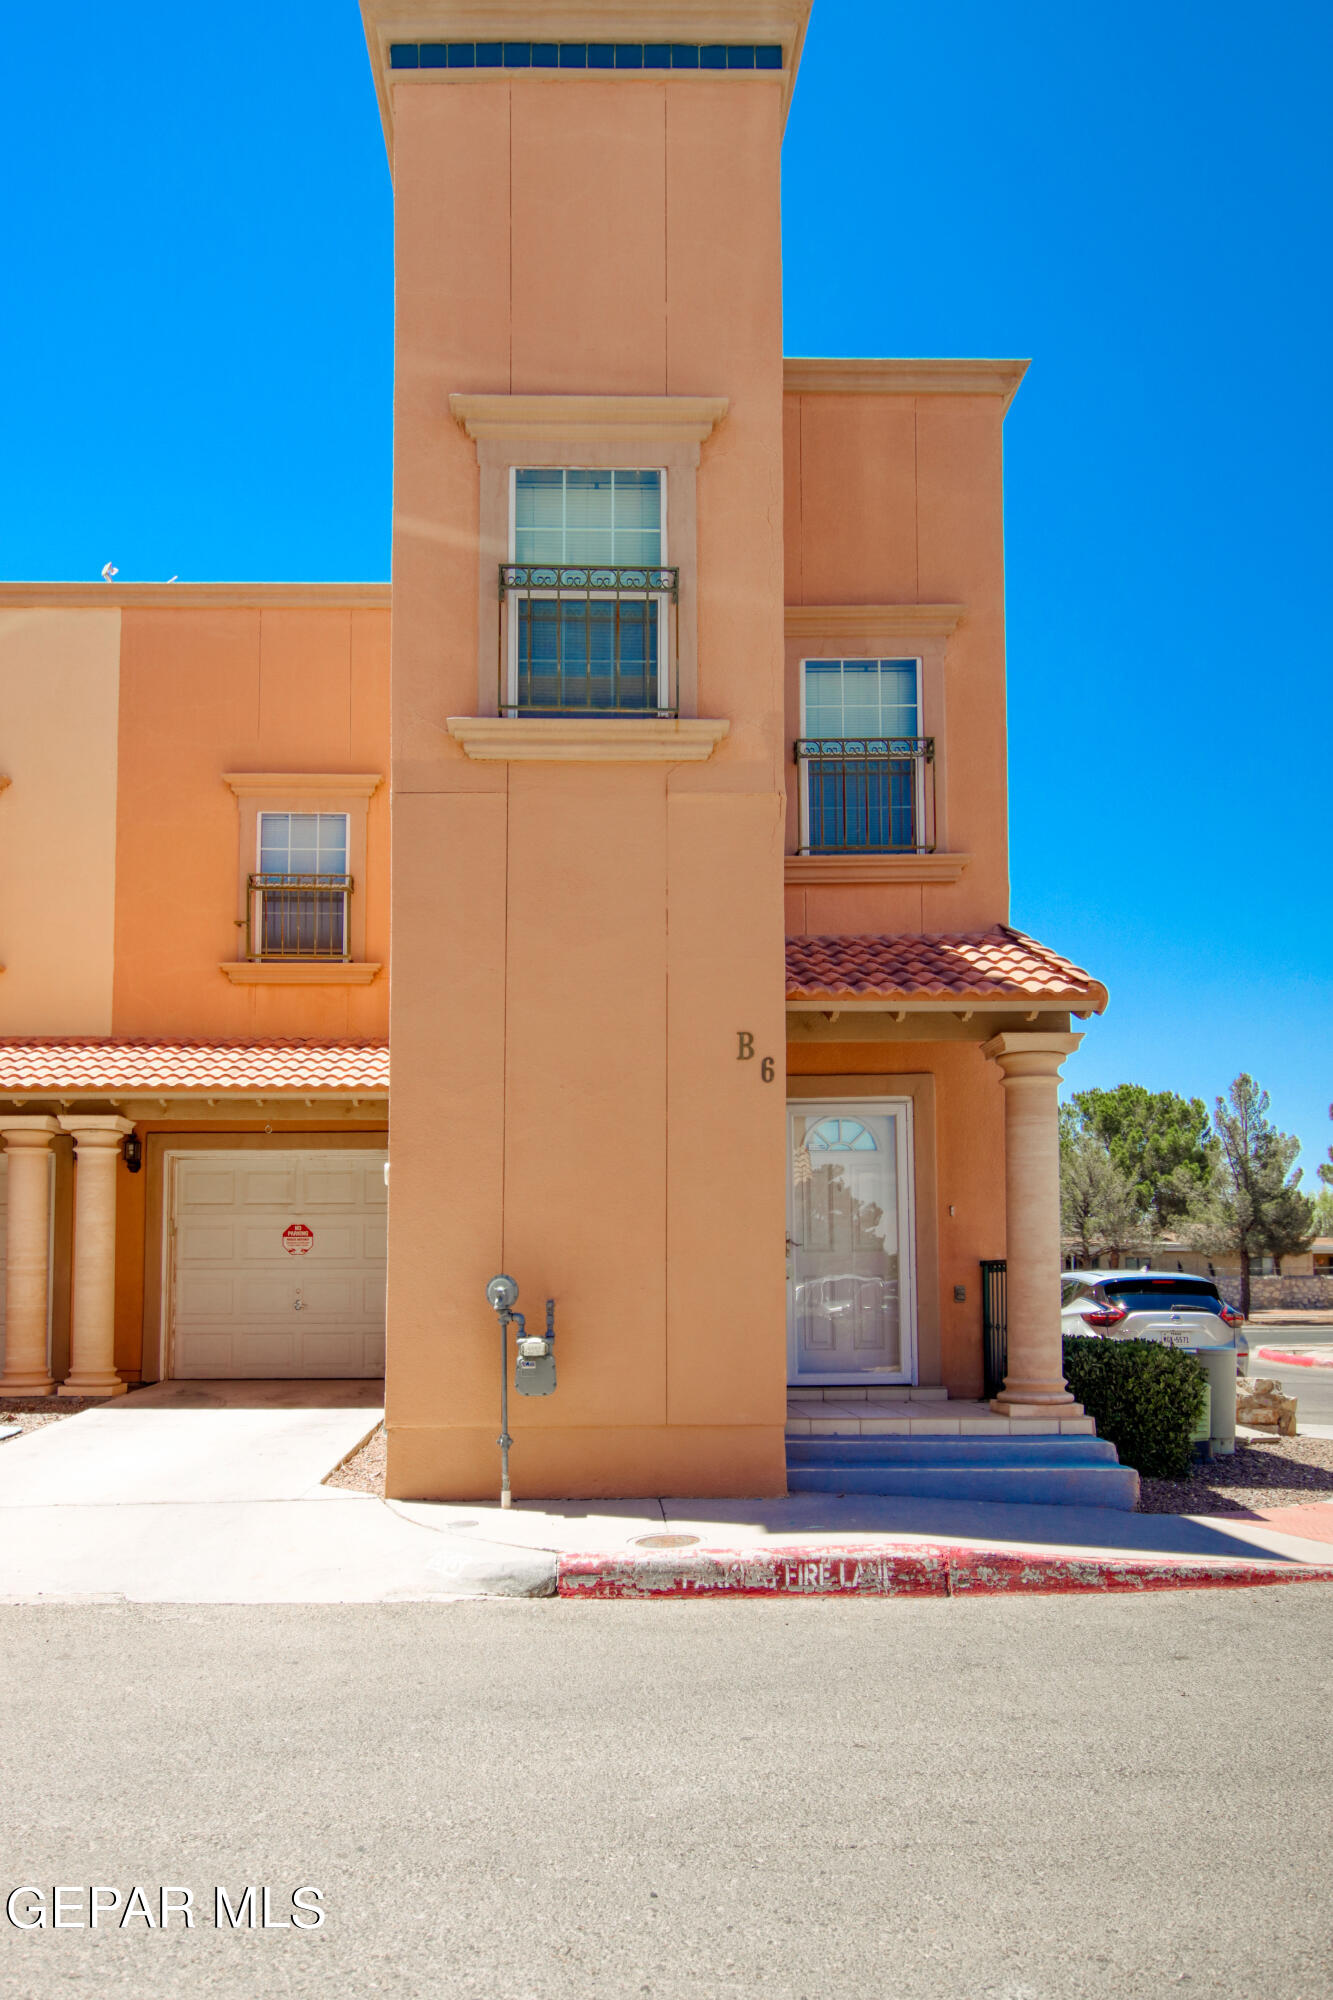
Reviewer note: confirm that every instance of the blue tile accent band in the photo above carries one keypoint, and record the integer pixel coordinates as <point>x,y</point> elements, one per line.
<point>585,55</point>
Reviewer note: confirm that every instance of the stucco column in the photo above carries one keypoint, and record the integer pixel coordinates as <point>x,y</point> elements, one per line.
<point>92,1329</point>
<point>1034,1383</point>
<point>27,1267</point>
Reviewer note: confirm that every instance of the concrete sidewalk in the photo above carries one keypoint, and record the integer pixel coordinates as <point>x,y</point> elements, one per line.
<point>210,1494</point>
<point>347,1548</point>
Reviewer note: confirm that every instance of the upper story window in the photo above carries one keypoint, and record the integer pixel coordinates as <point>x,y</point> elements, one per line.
<point>298,903</point>
<point>867,776</point>
<point>589,627</point>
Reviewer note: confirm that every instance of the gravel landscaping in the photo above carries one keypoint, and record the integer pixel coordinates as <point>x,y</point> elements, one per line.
<point>363,1472</point>
<point>1265,1472</point>
<point>33,1413</point>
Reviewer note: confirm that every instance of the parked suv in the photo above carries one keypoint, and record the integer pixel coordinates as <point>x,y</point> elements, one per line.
<point>1169,1306</point>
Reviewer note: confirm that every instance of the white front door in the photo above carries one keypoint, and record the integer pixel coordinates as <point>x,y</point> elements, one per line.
<point>278,1264</point>
<point>851,1311</point>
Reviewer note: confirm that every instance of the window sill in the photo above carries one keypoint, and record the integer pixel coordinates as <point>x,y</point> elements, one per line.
<point>298,972</point>
<point>519,739</point>
<point>808,871</point>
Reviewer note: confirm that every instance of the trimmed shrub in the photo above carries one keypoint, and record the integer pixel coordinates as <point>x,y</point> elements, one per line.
<point>1146,1398</point>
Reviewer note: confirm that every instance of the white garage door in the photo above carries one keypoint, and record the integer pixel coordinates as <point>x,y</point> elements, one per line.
<point>278,1264</point>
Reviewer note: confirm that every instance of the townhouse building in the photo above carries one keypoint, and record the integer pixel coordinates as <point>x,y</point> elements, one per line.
<point>683,724</point>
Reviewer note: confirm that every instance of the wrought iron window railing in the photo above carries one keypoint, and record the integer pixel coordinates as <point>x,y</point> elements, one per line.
<point>867,794</point>
<point>298,916</point>
<point>587,639</point>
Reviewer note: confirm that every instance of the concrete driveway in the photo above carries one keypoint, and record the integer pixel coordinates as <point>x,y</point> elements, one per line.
<point>192,1441</point>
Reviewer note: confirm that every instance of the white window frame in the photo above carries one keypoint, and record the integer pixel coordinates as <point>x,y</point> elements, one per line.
<point>666,692</point>
<point>919,776</point>
<point>904,1110</point>
<point>301,812</point>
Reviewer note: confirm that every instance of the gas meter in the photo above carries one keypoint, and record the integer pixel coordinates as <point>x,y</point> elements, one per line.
<point>534,1369</point>
<point>534,1361</point>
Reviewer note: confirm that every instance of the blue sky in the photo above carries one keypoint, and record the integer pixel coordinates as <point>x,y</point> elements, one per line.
<point>196,345</point>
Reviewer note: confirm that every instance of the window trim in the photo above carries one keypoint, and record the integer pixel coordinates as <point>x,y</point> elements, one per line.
<point>646,433</point>
<point>345,792</point>
<point>923,632</point>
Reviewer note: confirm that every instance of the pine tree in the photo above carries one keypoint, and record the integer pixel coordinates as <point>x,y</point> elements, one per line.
<point>1254,1203</point>
<point>1099,1206</point>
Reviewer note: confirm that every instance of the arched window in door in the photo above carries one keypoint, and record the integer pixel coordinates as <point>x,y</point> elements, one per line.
<point>840,1135</point>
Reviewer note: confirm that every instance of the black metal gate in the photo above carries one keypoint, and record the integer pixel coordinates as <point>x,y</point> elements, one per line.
<point>994,1323</point>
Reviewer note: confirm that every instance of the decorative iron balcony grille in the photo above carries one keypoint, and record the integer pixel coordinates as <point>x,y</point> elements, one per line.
<point>588,639</point>
<point>867,794</point>
<point>298,916</point>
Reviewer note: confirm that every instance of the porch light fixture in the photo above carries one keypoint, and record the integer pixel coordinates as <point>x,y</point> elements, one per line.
<point>131,1151</point>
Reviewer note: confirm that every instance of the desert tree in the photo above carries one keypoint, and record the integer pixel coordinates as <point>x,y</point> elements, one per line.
<point>1253,1203</point>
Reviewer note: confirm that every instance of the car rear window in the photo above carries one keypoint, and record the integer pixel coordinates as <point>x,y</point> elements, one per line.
<point>1146,1294</point>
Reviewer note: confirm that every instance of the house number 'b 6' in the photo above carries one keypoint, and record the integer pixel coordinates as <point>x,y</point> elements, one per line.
<point>745,1053</point>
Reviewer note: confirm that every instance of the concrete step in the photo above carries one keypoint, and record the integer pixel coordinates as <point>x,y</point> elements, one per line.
<point>1067,1485</point>
<point>991,1451</point>
<point>919,1393</point>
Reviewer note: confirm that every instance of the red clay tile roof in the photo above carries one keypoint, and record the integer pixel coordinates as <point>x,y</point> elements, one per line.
<point>224,1068</point>
<point>998,964</point>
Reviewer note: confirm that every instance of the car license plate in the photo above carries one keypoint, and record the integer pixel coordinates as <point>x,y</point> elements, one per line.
<point>1172,1336</point>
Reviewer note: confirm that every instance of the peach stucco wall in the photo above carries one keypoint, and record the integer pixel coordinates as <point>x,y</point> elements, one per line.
<point>899,499</point>
<point>251,688</point>
<point>576,946</point>
<point>969,1171</point>
<point>59,673</point>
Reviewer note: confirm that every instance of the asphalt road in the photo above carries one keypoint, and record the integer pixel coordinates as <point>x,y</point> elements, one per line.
<point>984,1800</point>
<point>1312,1387</point>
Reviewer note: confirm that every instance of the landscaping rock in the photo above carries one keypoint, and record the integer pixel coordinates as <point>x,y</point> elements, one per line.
<point>1261,1404</point>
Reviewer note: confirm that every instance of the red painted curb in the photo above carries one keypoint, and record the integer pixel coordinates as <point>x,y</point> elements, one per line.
<point>924,1570</point>
<point>1292,1360</point>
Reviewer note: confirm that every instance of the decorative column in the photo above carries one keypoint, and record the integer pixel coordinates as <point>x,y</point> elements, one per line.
<point>27,1270</point>
<point>92,1330</point>
<point>1034,1383</point>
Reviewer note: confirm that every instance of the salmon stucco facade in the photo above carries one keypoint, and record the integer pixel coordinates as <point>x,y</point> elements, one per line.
<point>683,724</point>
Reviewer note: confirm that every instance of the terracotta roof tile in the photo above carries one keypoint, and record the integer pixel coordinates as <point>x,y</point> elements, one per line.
<point>40,1068</point>
<point>996,964</point>
<point>976,965</point>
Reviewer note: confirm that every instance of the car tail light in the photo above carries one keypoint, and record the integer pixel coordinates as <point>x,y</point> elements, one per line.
<point>1229,1316</point>
<point>1110,1316</point>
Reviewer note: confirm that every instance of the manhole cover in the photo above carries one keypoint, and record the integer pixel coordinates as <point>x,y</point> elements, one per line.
<point>666,1541</point>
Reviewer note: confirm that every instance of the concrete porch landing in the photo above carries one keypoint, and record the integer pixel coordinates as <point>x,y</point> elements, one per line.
<point>928,1412</point>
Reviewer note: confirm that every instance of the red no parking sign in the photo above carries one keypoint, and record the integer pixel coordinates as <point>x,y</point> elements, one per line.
<point>297,1239</point>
